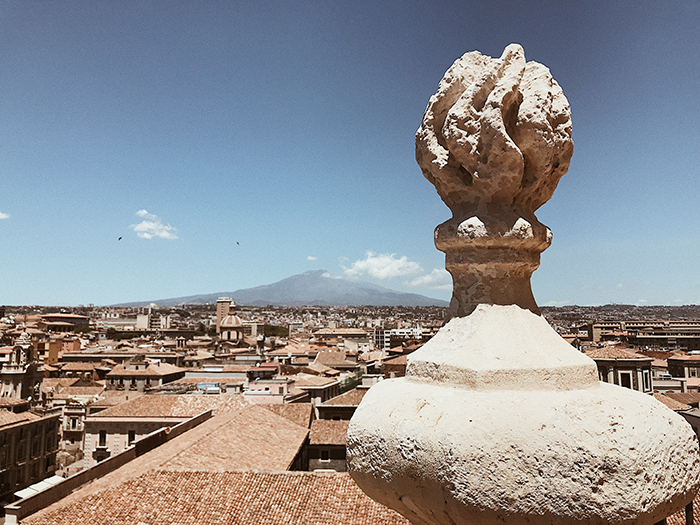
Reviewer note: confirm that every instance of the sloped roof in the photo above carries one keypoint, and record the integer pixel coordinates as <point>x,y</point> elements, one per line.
<point>612,352</point>
<point>671,403</point>
<point>173,406</point>
<point>694,357</point>
<point>110,398</point>
<point>349,398</point>
<point>397,360</point>
<point>78,366</point>
<point>687,398</point>
<point>152,370</point>
<point>319,369</point>
<point>215,498</point>
<point>12,402</point>
<point>311,381</point>
<point>252,438</point>
<point>8,418</point>
<point>328,432</point>
<point>333,358</point>
<point>298,413</point>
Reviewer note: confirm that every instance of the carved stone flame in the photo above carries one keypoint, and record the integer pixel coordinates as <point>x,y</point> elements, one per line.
<point>495,140</point>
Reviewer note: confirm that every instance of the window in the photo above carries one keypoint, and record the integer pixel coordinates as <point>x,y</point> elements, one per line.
<point>103,439</point>
<point>325,454</point>
<point>132,436</point>
<point>625,379</point>
<point>647,380</point>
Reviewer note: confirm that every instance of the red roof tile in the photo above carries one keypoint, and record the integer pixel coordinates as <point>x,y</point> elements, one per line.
<point>217,498</point>
<point>328,432</point>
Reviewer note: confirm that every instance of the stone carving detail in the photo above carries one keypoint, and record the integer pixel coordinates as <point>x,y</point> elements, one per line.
<point>498,419</point>
<point>495,140</point>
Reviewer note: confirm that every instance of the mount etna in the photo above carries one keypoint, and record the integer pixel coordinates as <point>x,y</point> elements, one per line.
<point>315,287</point>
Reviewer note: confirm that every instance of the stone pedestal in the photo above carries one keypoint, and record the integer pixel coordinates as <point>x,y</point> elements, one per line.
<point>499,420</point>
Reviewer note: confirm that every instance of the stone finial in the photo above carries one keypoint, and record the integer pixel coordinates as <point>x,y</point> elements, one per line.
<point>495,140</point>
<point>498,419</point>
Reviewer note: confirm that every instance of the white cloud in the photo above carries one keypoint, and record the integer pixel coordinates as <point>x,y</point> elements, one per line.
<point>4,215</point>
<point>557,303</point>
<point>383,266</point>
<point>311,258</point>
<point>152,227</point>
<point>439,278</point>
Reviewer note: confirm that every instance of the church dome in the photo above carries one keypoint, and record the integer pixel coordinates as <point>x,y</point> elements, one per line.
<point>231,321</point>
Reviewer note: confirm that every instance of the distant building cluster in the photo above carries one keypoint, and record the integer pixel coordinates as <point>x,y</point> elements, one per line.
<point>197,396</point>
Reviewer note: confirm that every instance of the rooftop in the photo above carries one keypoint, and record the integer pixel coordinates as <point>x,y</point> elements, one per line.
<point>214,498</point>
<point>349,398</point>
<point>173,406</point>
<point>612,352</point>
<point>328,432</point>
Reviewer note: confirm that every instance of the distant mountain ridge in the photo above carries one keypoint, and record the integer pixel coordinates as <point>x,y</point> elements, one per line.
<point>315,287</point>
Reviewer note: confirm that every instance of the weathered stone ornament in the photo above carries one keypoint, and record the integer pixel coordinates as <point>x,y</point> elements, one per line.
<point>498,419</point>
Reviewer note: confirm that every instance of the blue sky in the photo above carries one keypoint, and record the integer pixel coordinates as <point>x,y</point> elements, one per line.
<point>234,144</point>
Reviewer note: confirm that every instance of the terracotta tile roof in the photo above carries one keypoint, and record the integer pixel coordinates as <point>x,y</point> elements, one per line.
<point>78,366</point>
<point>57,384</point>
<point>197,380</point>
<point>216,498</point>
<point>199,355</point>
<point>12,402</point>
<point>310,381</point>
<point>687,398</point>
<point>173,406</point>
<point>110,398</point>
<point>252,438</point>
<point>349,398</point>
<point>8,418</point>
<point>322,370</point>
<point>372,356</point>
<point>610,352</point>
<point>333,359</point>
<point>671,403</point>
<point>398,360</point>
<point>153,370</point>
<point>235,368</point>
<point>79,391</point>
<point>694,357</point>
<point>328,432</point>
<point>298,413</point>
<point>679,517</point>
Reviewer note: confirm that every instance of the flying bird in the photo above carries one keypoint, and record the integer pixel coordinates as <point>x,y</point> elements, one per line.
<point>119,239</point>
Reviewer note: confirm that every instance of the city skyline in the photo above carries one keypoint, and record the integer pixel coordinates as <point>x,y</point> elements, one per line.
<point>161,150</point>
